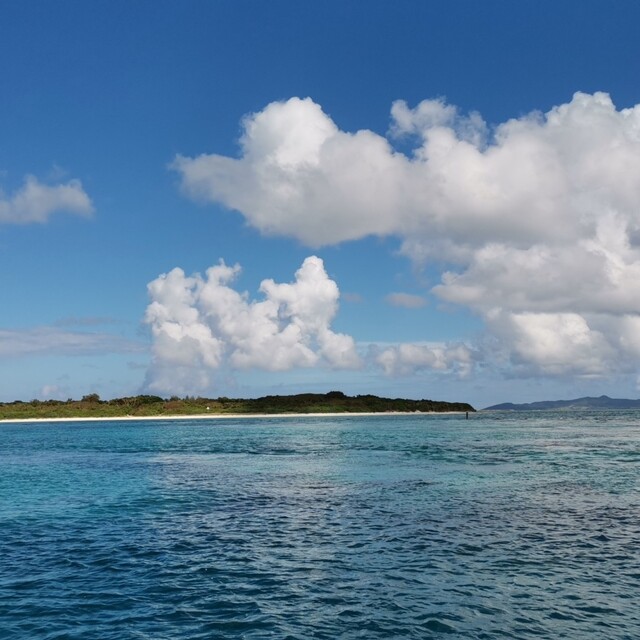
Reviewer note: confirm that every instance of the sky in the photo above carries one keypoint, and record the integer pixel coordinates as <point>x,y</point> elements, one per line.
<point>241,198</point>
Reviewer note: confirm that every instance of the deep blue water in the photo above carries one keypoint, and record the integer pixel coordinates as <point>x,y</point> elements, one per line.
<point>502,526</point>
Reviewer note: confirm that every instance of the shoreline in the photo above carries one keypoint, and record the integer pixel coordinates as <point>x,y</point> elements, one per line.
<point>229,416</point>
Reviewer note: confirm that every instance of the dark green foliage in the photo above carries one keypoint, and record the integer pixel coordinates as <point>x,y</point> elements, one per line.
<point>338,402</point>
<point>136,401</point>
<point>149,405</point>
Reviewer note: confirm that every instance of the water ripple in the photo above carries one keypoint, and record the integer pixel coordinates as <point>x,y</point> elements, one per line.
<point>410,527</point>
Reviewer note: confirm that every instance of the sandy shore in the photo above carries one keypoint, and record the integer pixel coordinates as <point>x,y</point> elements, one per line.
<point>234,416</point>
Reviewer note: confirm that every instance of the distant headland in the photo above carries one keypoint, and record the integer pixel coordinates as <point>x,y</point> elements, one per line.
<point>91,406</point>
<point>601,402</point>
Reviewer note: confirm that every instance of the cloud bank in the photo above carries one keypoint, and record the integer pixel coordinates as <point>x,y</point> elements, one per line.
<point>201,324</point>
<point>35,202</point>
<point>537,219</point>
<point>408,359</point>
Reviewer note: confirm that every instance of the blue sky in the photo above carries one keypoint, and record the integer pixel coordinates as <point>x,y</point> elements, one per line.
<point>442,194</point>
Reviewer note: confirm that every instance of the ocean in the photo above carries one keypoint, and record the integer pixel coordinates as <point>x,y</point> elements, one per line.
<point>505,525</point>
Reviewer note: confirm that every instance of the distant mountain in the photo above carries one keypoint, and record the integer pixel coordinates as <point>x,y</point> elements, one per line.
<point>603,402</point>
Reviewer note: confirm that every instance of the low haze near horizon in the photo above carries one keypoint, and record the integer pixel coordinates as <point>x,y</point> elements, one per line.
<point>239,198</point>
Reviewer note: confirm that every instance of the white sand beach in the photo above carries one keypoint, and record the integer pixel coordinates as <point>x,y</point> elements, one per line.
<point>231,416</point>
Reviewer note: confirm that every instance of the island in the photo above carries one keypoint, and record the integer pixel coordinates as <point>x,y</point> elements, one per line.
<point>91,406</point>
<point>601,402</point>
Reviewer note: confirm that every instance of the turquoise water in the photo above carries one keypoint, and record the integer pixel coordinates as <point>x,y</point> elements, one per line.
<point>502,526</point>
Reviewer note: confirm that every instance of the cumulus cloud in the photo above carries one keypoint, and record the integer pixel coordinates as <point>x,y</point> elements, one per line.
<point>537,218</point>
<point>36,202</point>
<point>406,300</point>
<point>200,324</point>
<point>300,175</point>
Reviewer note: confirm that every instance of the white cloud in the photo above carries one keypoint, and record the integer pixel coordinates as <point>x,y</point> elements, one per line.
<point>537,217</point>
<point>301,176</point>
<point>408,359</point>
<point>200,324</point>
<point>36,202</point>
<point>553,343</point>
<point>406,300</point>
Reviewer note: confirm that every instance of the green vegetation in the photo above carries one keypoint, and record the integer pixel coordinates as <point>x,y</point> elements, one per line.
<point>333,402</point>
